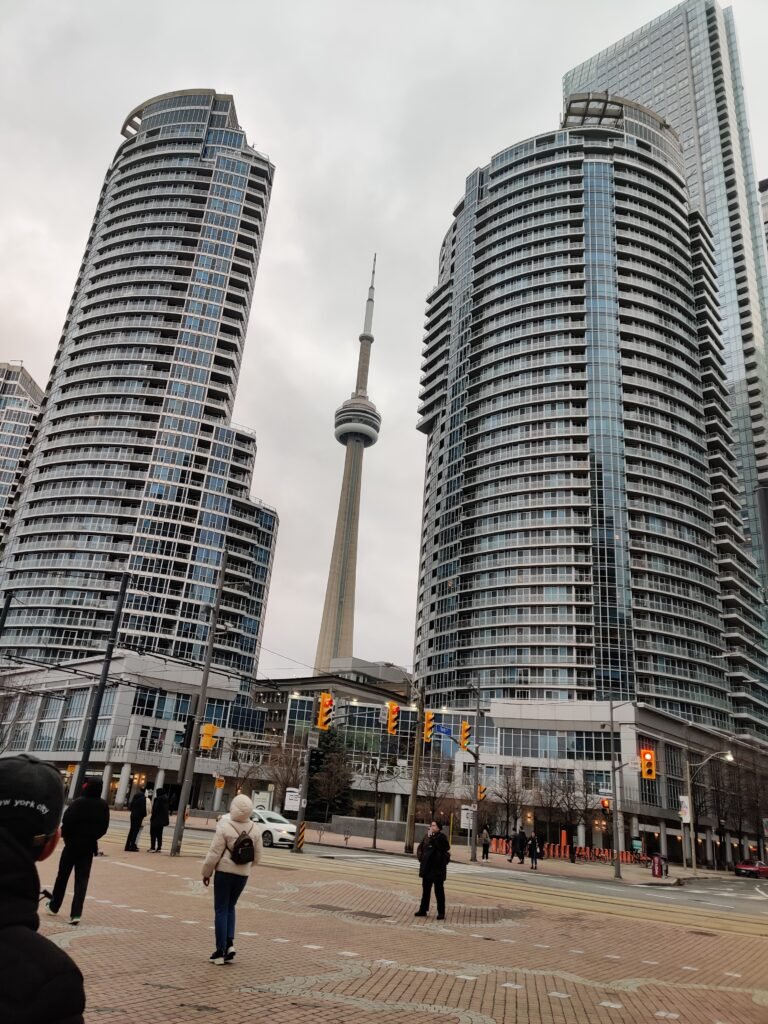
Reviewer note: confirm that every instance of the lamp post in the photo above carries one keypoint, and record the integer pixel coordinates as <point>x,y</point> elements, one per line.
<point>689,777</point>
<point>418,740</point>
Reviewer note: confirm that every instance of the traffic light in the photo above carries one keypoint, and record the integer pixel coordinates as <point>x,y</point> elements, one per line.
<point>647,764</point>
<point>393,717</point>
<point>325,711</point>
<point>208,736</point>
<point>429,725</point>
<point>605,803</point>
<point>465,736</point>
<point>481,791</point>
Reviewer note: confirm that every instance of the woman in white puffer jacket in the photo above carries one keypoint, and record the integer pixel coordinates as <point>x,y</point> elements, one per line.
<point>229,879</point>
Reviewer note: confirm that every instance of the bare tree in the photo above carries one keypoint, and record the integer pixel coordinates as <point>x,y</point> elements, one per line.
<point>245,760</point>
<point>546,793</point>
<point>569,804</point>
<point>509,793</point>
<point>435,787</point>
<point>333,781</point>
<point>283,765</point>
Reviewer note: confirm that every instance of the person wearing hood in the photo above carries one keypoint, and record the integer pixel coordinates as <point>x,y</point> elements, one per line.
<point>229,874</point>
<point>84,823</point>
<point>39,982</point>
<point>138,809</point>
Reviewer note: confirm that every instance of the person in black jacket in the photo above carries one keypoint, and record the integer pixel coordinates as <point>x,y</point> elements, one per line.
<point>39,982</point>
<point>434,852</point>
<point>158,820</point>
<point>138,809</point>
<point>84,823</point>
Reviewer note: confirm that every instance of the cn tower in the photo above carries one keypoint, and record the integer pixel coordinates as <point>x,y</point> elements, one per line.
<point>357,425</point>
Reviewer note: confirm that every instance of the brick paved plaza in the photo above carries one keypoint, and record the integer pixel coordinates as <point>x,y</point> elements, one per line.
<point>335,940</point>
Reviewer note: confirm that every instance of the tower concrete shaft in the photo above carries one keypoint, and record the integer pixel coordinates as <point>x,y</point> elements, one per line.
<point>357,423</point>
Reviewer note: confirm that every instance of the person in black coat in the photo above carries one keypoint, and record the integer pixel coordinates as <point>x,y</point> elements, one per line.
<point>39,982</point>
<point>434,853</point>
<point>158,820</point>
<point>84,823</point>
<point>138,809</point>
<point>519,845</point>
<point>533,851</point>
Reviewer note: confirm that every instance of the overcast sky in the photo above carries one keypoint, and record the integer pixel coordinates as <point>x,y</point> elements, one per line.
<point>374,112</point>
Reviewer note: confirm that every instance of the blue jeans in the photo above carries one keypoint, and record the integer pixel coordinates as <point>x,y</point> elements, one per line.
<point>226,893</point>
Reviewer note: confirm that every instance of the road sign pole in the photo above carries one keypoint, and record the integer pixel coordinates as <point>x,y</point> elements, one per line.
<point>298,847</point>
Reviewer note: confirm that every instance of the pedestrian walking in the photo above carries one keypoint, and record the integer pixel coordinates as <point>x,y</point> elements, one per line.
<point>138,809</point>
<point>39,982</point>
<point>485,839</point>
<point>159,818</point>
<point>85,821</point>
<point>521,844</point>
<point>434,853</point>
<point>533,851</point>
<point>235,847</point>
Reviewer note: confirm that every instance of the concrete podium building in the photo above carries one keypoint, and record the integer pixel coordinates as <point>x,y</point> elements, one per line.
<point>135,464</point>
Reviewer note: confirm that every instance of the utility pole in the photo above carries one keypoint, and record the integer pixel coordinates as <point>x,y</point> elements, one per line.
<point>298,843</point>
<point>93,721</point>
<point>615,790</point>
<point>476,802</point>
<point>418,742</point>
<point>689,791</point>
<point>189,772</point>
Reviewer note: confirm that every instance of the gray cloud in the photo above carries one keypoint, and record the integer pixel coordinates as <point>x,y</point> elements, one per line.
<point>374,113</point>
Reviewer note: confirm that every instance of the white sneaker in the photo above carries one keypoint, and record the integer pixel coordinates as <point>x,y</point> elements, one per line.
<point>48,910</point>
<point>216,957</point>
<point>229,956</point>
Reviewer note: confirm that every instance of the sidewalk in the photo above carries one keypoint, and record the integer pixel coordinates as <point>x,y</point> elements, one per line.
<point>632,874</point>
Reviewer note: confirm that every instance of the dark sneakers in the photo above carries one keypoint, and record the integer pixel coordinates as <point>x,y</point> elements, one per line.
<point>420,913</point>
<point>217,957</point>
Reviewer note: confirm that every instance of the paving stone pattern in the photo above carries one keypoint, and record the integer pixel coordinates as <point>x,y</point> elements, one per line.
<point>321,941</point>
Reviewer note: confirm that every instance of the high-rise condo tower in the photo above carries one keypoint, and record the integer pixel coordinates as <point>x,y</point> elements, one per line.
<point>357,426</point>
<point>685,65</point>
<point>135,464</point>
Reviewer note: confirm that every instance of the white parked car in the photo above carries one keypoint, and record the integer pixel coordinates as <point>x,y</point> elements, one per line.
<point>274,828</point>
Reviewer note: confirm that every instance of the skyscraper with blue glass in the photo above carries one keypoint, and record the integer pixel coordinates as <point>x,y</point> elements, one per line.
<point>581,536</point>
<point>136,465</point>
<point>685,65</point>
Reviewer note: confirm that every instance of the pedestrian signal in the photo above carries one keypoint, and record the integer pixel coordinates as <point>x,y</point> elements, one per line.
<point>208,736</point>
<point>481,791</point>
<point>325,711</point>
<point>647,764</point>
<point>605,803</point>
<point>465,736</point>
<point>429,725</point>
<point>393,717</point>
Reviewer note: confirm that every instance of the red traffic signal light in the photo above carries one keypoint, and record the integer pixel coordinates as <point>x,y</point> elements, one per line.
<point>429,726</point>
<point>605,803</point>
<point>393,717</point>
<point>325,711</point>
<point>647,764</point>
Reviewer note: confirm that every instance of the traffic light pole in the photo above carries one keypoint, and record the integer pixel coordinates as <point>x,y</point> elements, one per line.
<point>615,792</point>
<point>476,802</point>
<point>298,847</point>
<point>199,713</point>
<point>410,823</point>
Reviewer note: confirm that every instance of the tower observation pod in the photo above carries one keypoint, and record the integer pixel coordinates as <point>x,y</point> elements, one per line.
<point>356,426</point>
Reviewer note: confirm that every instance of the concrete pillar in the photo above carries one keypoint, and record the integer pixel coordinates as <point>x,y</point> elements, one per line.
<point>106,781</point>
<point>123,785</point>
<point>745,848</point>
<point>217,796</point>
<point>622,835</point>
<point>710,849</point>
<point>397,814</point>
<point>159,779</point>
<point>728,849</point>
<point>663,849</point>
<point>581,834</point>
<point>634,827</point>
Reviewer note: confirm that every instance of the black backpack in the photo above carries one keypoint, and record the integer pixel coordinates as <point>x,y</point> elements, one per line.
<point>243,850</point>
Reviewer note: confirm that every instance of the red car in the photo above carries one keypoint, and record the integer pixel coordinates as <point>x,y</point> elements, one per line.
<point>752,869</point>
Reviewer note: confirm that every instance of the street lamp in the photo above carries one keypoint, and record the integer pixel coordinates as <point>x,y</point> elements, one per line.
<point>689,777</point>
<point>615,788</point>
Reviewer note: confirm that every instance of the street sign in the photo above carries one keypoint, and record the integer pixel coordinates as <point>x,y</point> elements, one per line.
<point>313,741</point>
<point>271,787</point>
<point>634,764</point>
<point>466,816</point>
<point>443,730</point>
<point>291,802</point>
<point>685,810</point>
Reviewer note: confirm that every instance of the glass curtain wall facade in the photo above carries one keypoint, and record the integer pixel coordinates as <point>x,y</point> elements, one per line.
<point>685,65</point>
<point>136,465</point>
<point>20,399</point>
<point>569,537</point>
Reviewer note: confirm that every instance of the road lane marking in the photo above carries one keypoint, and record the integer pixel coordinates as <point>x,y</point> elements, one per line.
<point>510,984</point>
<point>612,1006</point>
<point>558,995</point>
